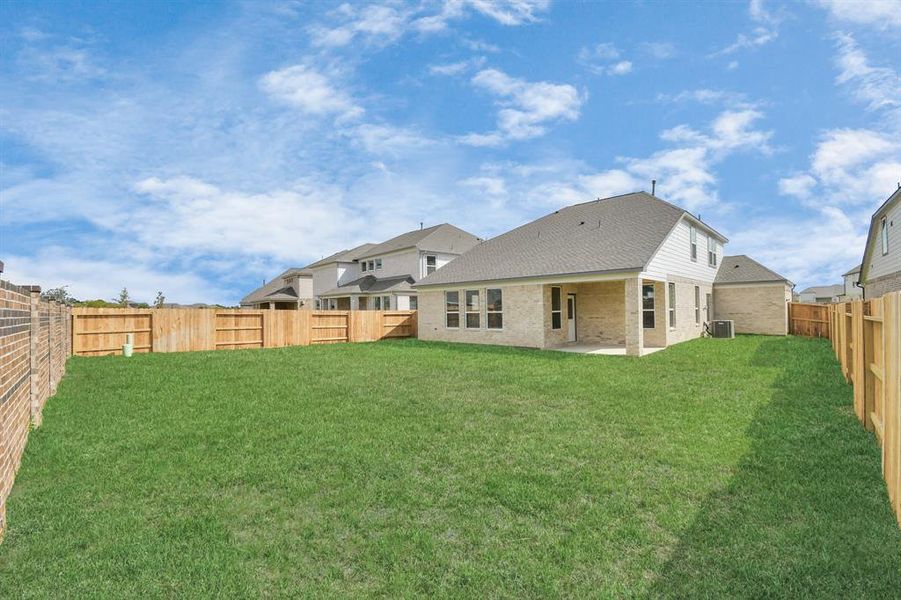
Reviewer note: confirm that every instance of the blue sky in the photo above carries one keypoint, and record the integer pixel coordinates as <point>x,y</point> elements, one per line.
<point>199,148</point>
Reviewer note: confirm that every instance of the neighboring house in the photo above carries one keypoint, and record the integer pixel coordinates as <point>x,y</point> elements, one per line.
<point>291,290</point>
<point>851,290</point>
<point>752,296</point>
<point>380,276</point>
<point>822,294</point>
<point>630,271</point>
<point>880,272</point>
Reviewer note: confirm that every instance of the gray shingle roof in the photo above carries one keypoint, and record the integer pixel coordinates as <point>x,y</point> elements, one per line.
<point>852,271</point>
<point>369,284</point>
<point>744,269</point>
<point>270,287</point>
<point>349,255</point>
<point>439,238</point>
<point>822,291</point>
<point>621,233</point>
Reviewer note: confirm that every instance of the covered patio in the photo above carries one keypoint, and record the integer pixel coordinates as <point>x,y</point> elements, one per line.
<point>606,316</point>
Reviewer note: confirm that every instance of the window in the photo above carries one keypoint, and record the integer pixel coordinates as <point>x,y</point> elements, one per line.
<point>318,304</point>
<point>672,305</point>
<point>372,265</point>
<point>414,303</point>
<point>431,264</point>
<point>363,266</point>
<point>711,251</point>
<point>647,306</point>
<point>697,305</point>
<point>883,235</point>
<point>693,241</point>
<point>494,308</point>
<point>361,303</point>
<point>377,303</point>
<point>473,309</point>
<point>556,309</point>
<point>386,302</point>
<point>452,310</point>
<point>378,263</point>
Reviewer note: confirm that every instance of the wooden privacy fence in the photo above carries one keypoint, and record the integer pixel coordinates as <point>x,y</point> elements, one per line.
<point>810,320</point>
<point>99,331</point>
<point>867,341</point>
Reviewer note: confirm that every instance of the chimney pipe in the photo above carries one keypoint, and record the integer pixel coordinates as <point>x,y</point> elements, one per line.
<point>653,187</point>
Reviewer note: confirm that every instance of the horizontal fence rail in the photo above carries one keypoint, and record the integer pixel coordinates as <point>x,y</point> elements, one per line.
<point>809,320</point>
<point>102,331</point>
<point>866,338</point>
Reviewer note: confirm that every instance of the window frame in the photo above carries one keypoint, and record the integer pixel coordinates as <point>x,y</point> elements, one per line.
<point>477,312</point>
<point>378,264</point>
<point>557,312</point>
<point>693,243</point>
<point>489,312</point>
<point>711,251</point>
<point>652,310</point>
<point>386,302</point>
<point>671,304</point>
<point>376,303</point>
<point>433,267</point>
<point>883,235</point>
<point>363,266</point>
<point>448,312</point>
<point>697,305</point>
<point>414,302</point>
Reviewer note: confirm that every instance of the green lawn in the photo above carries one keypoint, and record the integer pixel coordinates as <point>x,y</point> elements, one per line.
<point>406,468</point>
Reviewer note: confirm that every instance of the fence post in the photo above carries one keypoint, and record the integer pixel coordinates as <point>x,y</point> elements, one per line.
<point>858,364</point>
<point>891,443</point>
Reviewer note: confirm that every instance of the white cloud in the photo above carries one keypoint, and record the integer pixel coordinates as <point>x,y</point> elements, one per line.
<point>387,23</point>
<point>799,185</point>
<point>659,50</point>
<point>881,14</point>
<point>457,68</point>
<point>878,87</point>
<point>604,59</point>
<point>526,107</point>
<point>708,96</point>
<point>309,90</point>
<point>766,30</point>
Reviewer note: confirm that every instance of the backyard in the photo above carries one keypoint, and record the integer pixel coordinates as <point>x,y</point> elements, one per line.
<point>404,468</point>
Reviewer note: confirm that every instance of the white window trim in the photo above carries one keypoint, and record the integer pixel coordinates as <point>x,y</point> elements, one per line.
<point>378,264</point>
<point>449,312</point>
<point>653,309</point>
<point>363,266</point>
<point>467,312</point>
<point>883,235</point>
<point>495,312</point>
<point>711,251</point>
<point>671,305</point>
<point>427,257</point>
<point>693,243</point>
<point>697,305</point>
<point>559,311</point>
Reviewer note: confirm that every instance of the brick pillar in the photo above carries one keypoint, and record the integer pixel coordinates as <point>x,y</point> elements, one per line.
<point>35,332</point>
<point>634,330</point>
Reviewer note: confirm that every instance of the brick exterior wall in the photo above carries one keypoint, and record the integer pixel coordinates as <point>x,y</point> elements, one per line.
<point>880,286</point>
<point>755,308</point>
<point>523,318</point>
<point>600,313</point>
<point>687,327</point>
<point>35,341</point>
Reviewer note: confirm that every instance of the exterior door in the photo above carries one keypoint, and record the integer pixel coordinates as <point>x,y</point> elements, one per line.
<point>571,317</point>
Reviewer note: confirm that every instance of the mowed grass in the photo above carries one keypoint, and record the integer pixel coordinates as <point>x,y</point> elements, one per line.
<point>714,468</point>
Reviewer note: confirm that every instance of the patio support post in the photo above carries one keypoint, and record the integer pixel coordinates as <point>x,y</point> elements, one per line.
<point>634,331</point>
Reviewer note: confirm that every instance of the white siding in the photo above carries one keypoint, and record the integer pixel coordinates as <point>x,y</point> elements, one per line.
<point>324,279</point>
<point>440,261</point>
<point>851,290</point>
<point>674,258</point>
<point>880,265</point>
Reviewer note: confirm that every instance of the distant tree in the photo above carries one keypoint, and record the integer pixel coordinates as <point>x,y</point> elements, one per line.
<point>97,304</point>
<point>124,299</point>
<point>160,300</point>
<point>59,294</point>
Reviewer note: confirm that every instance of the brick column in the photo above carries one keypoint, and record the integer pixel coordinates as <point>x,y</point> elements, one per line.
<point>634,330</point>
<point>34,333</point>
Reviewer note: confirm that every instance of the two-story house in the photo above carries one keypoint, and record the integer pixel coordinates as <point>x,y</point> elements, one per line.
<point>290,290</point>
<point>626,273</point>
<point>851,290</point>
<point>380,276</point>
<point>880,272</point>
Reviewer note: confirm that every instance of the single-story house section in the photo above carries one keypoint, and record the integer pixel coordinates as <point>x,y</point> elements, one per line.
<point>822,294</point>
<point>626,272</point>
<point>291,290</point>
<point>880,272</point>
<point>752,296</point>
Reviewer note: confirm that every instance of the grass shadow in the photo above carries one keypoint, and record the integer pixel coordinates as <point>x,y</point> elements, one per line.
<point>806,512</point>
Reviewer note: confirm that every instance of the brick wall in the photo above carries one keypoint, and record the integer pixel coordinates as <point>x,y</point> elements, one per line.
<point>876,288</point>
<point>687,326</point>
<point>755,308</point>
<point>34,343</point>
